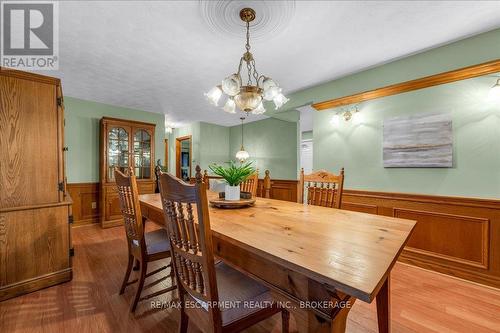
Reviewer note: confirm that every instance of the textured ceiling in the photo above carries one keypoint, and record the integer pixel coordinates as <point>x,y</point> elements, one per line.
<point>162,56</point>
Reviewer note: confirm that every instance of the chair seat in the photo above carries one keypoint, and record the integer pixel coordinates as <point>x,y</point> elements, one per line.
<point>157,242</point>
<point>235,288</point>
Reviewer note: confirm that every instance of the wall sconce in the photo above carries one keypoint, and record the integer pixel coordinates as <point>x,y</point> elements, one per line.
<point>348,114</point>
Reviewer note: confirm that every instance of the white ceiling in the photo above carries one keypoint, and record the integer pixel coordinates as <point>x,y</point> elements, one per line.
<point>162,56</point>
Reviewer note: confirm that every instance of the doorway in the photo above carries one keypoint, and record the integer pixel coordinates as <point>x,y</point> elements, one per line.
<point>183,156</point>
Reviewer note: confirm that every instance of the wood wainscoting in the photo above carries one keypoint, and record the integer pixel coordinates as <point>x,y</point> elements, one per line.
<point>455,236</point>
<point>85,202</point>
<point>281,189</point>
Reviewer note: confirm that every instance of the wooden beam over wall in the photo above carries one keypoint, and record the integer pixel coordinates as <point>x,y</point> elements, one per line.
<point>425,82</point>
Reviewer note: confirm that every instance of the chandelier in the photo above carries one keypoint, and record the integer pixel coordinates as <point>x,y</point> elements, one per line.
<point>248,97</point>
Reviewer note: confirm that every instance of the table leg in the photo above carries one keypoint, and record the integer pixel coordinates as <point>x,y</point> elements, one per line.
<point>383,307</point>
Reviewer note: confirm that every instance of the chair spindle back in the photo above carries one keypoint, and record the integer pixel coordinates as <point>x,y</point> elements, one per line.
<point>129,205</point>
<point>323,188</point>
<point>191,245</point>
<point>250,184</point>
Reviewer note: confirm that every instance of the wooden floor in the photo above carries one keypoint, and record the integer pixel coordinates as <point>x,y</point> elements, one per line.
<point>422,301</point>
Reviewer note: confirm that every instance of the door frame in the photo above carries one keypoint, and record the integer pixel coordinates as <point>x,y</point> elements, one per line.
<point>166,155</point>
<point>178,154</point>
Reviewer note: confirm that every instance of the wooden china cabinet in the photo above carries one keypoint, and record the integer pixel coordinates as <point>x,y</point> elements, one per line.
<point>124,143</point>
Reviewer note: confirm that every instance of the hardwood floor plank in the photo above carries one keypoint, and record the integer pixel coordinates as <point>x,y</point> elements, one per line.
<point>421,301</point>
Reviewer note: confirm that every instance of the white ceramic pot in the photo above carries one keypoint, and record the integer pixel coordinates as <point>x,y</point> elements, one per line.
<point>232,192</point>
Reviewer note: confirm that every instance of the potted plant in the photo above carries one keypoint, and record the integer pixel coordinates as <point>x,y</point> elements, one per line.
<point>234,175</point>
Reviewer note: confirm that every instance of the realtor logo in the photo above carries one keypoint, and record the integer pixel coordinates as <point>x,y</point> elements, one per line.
<point>30,35</point>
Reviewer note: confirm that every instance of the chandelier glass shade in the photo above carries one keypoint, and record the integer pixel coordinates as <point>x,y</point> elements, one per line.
<point>247,93</point>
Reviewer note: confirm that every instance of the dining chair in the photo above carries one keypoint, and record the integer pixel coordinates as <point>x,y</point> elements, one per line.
<point>204,285</point>
<point>250,184</point>
<point>323,188</point>
<point>143,247</point>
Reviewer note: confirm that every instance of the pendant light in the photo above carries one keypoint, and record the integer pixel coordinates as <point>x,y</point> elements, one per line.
<point>242,155</point>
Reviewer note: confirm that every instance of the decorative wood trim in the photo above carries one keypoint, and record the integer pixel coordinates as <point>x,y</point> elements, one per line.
<point>359,207</point>
<point>425,82</point>
<point>484,244</point>
<point>5,71</point>
<point>127,122</point>
<point>178,154</point>
<point>166,153</point>
<point>426,198</point>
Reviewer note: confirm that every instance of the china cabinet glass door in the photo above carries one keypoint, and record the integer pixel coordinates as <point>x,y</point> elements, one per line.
<point>118,150</point>
<point>142,154</point>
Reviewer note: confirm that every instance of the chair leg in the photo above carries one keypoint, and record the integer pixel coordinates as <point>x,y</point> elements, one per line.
<point>127,274</point>
<point>172,273</point>
<point>183,323</point>
<point>137,265</point>
<point>144,268</point>
<point>285,321</point>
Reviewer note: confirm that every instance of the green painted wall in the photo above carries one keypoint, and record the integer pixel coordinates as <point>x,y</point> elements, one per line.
<point>358,148</point>
<point>214,145</point>
<point>476,143</point>
<point>82,135</point>
<point>271,143</point>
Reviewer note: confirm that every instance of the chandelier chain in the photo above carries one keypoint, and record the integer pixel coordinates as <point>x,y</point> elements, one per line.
<point>249,69</point>
<point>255,74</point>
<point>247,45</point>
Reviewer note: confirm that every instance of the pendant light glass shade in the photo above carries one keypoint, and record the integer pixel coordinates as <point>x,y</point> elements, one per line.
<point>214,95</point>
<point>270,88</point>
<point>279,100</point>
<point>259,109</point>
<point>242,155</point>
<point>230,107</point>
<point>231,85</point>
<point>249,98</point>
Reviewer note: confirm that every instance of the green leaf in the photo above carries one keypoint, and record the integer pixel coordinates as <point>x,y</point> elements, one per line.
<point>234,174</point>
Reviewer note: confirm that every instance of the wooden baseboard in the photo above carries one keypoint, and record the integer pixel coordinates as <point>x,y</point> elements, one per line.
<point>27,286</point>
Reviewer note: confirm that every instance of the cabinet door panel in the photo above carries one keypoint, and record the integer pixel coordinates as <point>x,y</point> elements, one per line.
<point>117,149</point>
<point>113,211</point>
<point>142,153</point>
<point>29,166</point>
<point>34,243</point>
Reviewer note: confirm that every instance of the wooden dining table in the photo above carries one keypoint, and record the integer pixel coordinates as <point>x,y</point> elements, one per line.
<point>317,261</point>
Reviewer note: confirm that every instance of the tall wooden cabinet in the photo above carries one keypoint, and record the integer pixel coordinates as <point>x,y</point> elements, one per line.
<point>124,143</point>
<point>35,212</point>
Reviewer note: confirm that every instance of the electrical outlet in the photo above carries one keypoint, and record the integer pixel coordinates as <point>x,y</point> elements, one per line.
<point>94,205</point>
